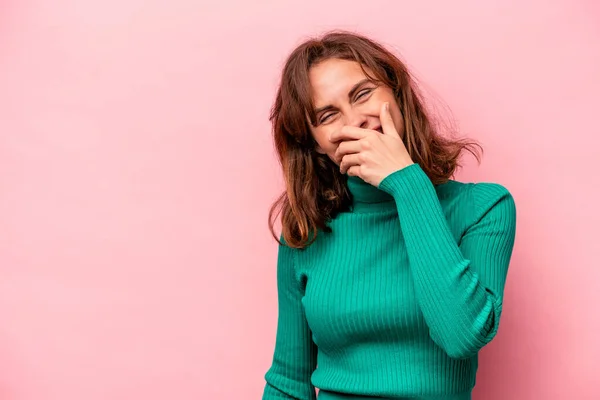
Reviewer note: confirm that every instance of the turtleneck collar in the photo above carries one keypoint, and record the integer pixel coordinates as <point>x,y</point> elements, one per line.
<point>367,197</point>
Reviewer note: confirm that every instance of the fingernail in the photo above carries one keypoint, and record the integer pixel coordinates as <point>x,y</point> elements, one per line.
<point>387,106</point>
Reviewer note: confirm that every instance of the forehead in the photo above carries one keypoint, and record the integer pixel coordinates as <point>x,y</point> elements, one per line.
<point>332,79</point>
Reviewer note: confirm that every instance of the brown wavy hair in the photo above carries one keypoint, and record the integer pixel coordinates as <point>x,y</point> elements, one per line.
<point>315,189</point>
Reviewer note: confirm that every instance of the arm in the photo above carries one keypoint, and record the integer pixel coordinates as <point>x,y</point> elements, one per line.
<point>459,287</point>
<point>295,354</point>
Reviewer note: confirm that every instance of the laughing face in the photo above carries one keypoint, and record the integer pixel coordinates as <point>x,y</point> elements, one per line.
<point>343,95</point>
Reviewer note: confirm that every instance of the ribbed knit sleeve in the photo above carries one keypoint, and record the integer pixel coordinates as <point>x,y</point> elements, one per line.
<point>459,287</point>
<point>295,354</point>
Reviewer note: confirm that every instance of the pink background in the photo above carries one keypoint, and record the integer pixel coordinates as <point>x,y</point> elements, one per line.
<point>136,172</point>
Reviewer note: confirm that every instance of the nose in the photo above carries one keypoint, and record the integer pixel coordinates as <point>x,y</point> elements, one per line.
<point>358,120</point>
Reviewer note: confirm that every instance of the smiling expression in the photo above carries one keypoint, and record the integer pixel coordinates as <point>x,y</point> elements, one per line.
<point>343,95</point>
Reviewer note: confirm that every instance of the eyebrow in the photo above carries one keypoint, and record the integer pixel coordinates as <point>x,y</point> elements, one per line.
<point>350,95</point>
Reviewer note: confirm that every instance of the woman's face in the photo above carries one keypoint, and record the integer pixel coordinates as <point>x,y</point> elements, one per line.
<point>343,96</point>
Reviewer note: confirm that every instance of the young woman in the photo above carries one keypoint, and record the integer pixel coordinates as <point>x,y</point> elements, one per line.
<point>390,274</point>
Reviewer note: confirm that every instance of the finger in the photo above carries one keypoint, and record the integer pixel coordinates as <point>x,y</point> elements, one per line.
<point>348,161</point>
<point>347,147</point>
<point>387,122</point>
<point>348,132</point>
<point>354,171</point>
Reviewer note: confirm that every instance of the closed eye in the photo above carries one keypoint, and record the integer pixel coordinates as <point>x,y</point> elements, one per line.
<point>325,118</point>
<point>361,94</point>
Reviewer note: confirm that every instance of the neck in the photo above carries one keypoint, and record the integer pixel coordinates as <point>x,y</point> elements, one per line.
<point>367,197</point>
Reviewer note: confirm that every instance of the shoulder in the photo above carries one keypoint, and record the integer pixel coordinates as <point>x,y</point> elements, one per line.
<point>494,203</point>
<point>285,254</point>
<point>478,194</point>
<point>477,199</point>
<point>286,265</point>
<point>488,195</point>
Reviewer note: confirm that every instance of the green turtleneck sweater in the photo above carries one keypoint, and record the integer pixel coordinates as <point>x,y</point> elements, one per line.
<point>398,299</point>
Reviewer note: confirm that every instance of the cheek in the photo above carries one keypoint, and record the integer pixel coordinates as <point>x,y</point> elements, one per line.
<point>322,139</point>
<point>399,122</point>
<point>400,125</point>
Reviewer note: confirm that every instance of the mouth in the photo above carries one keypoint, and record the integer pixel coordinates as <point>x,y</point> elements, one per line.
<point>378,129</point>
